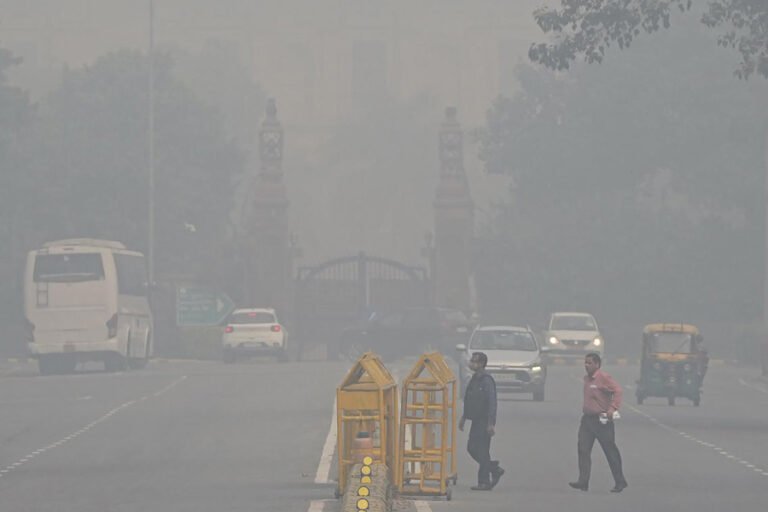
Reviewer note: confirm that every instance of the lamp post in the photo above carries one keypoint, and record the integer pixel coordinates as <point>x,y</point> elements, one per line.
<point>151,141</point>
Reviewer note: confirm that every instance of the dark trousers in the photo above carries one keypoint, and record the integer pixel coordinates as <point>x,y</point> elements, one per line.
<point>479,448</point>
<point>589,430</point>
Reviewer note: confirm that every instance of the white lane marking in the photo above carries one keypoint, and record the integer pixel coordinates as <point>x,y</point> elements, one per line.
<point>75,435</point>
<point>317,506</point>
<point>422,506</point>
<point>753,386</point>
<point>171,385</point>
<point>324,468</point>
<point>715,448</point>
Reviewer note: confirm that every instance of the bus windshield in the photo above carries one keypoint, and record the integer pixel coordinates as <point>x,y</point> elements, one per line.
<point>68,268</point>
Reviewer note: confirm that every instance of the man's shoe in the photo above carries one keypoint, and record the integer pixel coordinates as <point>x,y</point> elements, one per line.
<point>578,485</point>
<point>481,487</point>
<point>619,487</point>
<point>496,476</point>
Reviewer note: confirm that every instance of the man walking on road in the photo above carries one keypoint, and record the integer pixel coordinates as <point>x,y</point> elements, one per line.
<point>602,399</point>
<point>480,409</point>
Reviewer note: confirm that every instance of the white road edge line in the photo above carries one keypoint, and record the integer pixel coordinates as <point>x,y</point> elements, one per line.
<point>324,468</point>
<point>317,506</point>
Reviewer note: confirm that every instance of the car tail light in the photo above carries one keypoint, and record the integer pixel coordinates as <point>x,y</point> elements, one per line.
<point>229,329</point>
<point>275,328</point>
<point>112,326</point>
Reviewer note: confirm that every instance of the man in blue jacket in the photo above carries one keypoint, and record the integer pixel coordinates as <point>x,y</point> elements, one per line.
<point>480,409</point>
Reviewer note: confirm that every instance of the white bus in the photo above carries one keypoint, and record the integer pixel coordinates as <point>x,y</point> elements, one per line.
<point>86,300</point>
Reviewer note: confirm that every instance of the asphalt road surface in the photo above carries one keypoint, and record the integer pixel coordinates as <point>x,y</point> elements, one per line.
<point>254,436</point>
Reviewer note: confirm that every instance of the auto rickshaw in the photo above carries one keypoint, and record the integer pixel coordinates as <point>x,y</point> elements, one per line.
<point>673,363</point>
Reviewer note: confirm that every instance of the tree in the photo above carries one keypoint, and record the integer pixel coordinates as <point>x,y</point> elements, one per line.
<point>590,27</point>
<point>16,117</point>
<point>92,161</point>
<point>629,186</point>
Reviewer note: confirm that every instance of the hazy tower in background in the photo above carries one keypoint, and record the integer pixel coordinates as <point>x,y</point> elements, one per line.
<point>268,258</point>
<point>454,220</point>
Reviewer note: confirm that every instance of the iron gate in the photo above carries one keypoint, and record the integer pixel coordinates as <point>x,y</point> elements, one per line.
<point>344,291</point>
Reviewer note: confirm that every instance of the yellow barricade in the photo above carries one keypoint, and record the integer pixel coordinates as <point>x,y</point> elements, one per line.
<point>427,448</point>
<point>366,416</point>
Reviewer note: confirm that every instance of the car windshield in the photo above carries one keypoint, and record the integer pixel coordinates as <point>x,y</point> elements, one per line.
<point>252,317</point>
<point>503,340</point>
<point>670,342</point>
<point>573,323</point>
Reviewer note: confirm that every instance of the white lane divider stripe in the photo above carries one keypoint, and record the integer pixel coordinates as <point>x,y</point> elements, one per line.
<point>753,386</point>
<point>317,505</point>
<point>715,448</point>
<point>326,458</point>
<point>70,437</point>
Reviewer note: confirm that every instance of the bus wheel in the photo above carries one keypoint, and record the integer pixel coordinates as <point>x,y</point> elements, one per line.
<point>114,363</point>
<point>138,363</point>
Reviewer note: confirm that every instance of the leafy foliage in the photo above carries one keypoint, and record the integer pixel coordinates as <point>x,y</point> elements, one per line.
<point>590,27</point>
<point>630,185</point>
<point>91,163</point>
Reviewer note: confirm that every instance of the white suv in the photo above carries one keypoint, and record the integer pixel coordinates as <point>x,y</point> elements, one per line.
<point>572,335</point>
<point>253,331</point>
<point>514,359</point>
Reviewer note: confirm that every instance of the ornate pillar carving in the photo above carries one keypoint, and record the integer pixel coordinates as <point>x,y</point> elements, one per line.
<point>269,244</point>
<point>454,220</point>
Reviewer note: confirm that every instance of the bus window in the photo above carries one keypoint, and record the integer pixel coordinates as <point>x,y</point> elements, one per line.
<point>131,275</point>
<point>68,268</point>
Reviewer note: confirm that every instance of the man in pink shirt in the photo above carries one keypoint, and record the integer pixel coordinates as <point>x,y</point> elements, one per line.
<point>602,398</point>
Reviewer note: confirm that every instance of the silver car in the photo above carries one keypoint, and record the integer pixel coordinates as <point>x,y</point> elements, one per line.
<point>514,359</point>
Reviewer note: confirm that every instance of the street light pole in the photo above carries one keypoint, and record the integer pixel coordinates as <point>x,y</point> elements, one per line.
<point>151,130</point>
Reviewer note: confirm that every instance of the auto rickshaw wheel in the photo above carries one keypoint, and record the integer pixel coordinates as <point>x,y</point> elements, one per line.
<point>640,399</point>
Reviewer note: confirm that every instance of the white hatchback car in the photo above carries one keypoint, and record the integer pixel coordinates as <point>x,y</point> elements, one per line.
<point>253,332</point>
<point>573,335</point>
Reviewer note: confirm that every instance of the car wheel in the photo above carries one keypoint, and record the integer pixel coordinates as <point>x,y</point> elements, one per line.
<point>671,400</point>
<point>228,356</point>
<point>538,395</point>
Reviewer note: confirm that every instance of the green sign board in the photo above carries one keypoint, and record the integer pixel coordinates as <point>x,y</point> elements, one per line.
<point>201,306</point>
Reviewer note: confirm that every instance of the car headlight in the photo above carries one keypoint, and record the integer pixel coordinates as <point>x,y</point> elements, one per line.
<point>553,340</point>
<point>536,368</point>
<point>597,341</point>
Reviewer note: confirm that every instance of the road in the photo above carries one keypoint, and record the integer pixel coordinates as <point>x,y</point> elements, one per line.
<point>204,436</point>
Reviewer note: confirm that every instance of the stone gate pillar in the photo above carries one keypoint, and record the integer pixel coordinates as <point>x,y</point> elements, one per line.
<point>454,221</point>
<point>269,261</point>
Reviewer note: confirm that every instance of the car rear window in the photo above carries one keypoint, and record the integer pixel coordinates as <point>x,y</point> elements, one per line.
<point>68,268</point>
<point>254,317</point>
